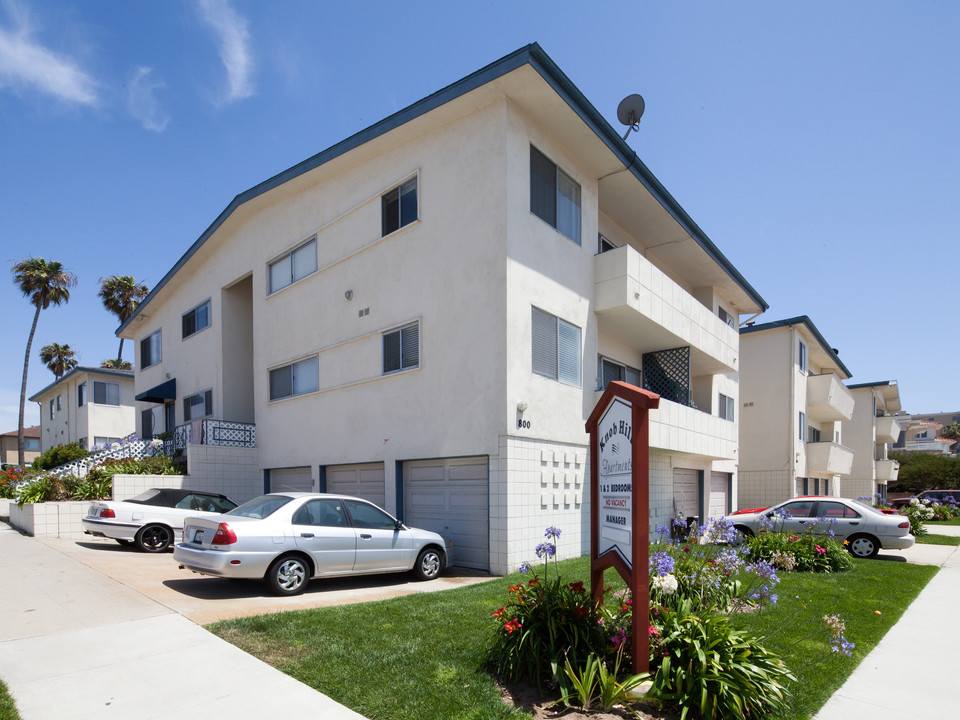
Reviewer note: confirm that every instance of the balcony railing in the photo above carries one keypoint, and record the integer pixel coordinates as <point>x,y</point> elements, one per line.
<point>887,470</point>
<point>888,429</point>
<point>828,399</point>
<point>211,432</point>
<point>828,458</point>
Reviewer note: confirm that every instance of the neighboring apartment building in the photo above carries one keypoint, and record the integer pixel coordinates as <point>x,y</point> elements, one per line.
<point>869,433</point>
<point>920,433</point>
<point>794,404</point>
<point>92,406</point>
<point>9,450</point>
<point>425,313</point>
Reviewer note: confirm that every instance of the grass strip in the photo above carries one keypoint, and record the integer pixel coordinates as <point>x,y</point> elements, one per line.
<point>421,657</point>
<point>8,709</point>
<point>934,523</point>
<point>932,539</point>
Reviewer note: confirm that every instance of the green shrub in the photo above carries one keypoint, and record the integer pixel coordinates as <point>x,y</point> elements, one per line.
<point>806,552</point>
<point>917,512</point>
<point>155,465</point>
<point>699,661</point>
<point>59,455</point>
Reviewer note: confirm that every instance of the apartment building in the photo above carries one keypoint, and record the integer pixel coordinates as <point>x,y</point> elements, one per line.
<point>425,314</point>
<point>870,431</point>
<point>9,448</point>
<point>92,406</point>
<point>920,432</point>
<point>793,406</point>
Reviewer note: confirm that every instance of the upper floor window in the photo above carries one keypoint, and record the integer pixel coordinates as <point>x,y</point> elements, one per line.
<point>802,424</point>
<point>150,353</point>
<point>198,406</point>
<point>401,349</point>
<point>802,357</point>
<point>813,434</point>
<point>727,318</point>
<point>195,320</point>
<point>295,379</point>
<point>31,444</point>
<point>554,196</point>
<point>399,207</point>
<point>293,266</point>
<point>604,245</point>
<point>725,407</point>
<point>106,393</point>
<point>611,370</point>
<point>59,403</point>
<point>52,412</point>
<point>556,347</point>
<point>81,394</point>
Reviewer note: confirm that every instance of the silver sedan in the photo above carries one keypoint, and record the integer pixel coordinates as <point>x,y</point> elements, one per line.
<point>288,538</point>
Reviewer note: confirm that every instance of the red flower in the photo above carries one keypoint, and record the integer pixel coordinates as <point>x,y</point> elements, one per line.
<point>515,588</point>
<point>793,538</point>
<point>581,612</point>
<point>653,631</point>
<point>499,612</point>
<point>534,581</point>
<point>577,586</point>
<point>686,548</point>
<point>512,625</point>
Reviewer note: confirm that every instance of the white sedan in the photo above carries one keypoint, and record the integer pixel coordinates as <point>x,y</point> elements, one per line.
<point>154,518</point>
<point>288,538</point>
<point>865,528</point>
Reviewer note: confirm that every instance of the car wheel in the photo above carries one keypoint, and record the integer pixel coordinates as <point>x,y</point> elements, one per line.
<point>154,538</point>
<point>429,564</point>
<point>743,530</point>
<point>863,546</point>
<point>288,575</point>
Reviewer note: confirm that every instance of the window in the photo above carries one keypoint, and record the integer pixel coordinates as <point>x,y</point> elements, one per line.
<point>59,403</point>
<point>398,207</point>
<point>104,441</point>
<point>195,320</point>
<point>295,379</point>
<point>727,318</point>
<point>802,424</point>
<point>83,442</point>
<point>106,393</point>
<point>725,407</point>
<point>150,350</point>
<point>323,513</point>
<point>826,486</point>
<point>368,517</point>
<point>604,245</point>
<point>81,394</point>
<point>401,349</point>
<point>836,510</point>
<point>556,348</point>
<point>295,265</point>
<point>813,434</point>
<point>802,357</point>
<point>554,196</point>
<point>801,508</point>
<point>52,414</point>
<point>31,444</point>
<point>611,370</point>
<point>198,406</point>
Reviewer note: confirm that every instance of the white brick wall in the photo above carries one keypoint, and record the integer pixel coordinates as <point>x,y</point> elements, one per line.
<point>763,488</point>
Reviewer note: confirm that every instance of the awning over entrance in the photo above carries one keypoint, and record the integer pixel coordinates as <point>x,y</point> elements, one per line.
<point>161,393</point>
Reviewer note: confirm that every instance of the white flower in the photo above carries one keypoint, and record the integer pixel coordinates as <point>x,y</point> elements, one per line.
<point>667,584</point>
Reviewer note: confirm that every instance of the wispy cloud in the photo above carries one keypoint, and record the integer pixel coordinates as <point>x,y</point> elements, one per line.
<point>231,30</point>
<point>142,100</point>
<point>25,63</point>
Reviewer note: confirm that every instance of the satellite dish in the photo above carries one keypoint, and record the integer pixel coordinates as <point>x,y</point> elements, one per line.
<point>629,112</point>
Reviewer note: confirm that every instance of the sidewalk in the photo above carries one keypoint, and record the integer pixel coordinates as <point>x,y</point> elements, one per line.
<point>76,644</point>
<point>912,671</point>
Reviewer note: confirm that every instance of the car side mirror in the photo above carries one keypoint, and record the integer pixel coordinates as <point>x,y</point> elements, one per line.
<point>398,525</point>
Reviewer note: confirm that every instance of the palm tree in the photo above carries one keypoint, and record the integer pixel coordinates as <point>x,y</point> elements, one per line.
<point>112,364</point>
<point>58,358</point>
<point>121,294</point>
<point>44,283</point>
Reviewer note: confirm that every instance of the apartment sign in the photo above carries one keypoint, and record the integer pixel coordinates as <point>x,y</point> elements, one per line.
<point>615,480</point>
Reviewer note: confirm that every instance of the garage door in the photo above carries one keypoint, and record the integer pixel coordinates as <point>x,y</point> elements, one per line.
<point>686,500</point>
<point>719,484</point>
<point>363,481</point>
<point>451,497</point>
<point>291,480</point>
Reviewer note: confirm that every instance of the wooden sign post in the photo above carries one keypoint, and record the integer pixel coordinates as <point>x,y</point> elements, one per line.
<point>620,501</point>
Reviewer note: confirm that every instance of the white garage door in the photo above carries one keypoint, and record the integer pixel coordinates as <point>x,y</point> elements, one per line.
<point>364,481</point>
<point>451,497</point>
<point>719,483</point>
<point>685,493</point>
<point>291,480</point>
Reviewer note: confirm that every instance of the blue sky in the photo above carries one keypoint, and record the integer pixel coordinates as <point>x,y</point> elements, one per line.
<point>815,143</point>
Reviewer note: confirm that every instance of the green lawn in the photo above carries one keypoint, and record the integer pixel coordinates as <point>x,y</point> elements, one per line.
<point>934,523</point>
<point>8,709</point>
<point>932,539</point>
<point>421,656</point>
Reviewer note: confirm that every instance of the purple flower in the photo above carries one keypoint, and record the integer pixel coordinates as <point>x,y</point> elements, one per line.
<point>524,567</point>
<point>548,549</point>
<point>552,533</point>
<point>661,564</point>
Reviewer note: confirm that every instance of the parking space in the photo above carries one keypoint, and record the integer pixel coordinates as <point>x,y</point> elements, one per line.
<point>207,599</point>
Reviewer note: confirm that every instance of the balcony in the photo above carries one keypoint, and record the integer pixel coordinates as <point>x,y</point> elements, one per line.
<point>887,471</point>
<point>888,429</point>
<point>646,310</point>
<point>828,399</point>
<point>212,432</point>
<point>828,458</point>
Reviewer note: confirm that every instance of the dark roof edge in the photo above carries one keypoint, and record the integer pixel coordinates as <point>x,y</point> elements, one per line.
<point>799,320</point>
<point>881,383</point>
<point>537,58</point>
<point>80,369</point>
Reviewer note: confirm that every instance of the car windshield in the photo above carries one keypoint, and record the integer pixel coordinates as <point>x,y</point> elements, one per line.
<point>870,508</point>
<point>261,507</point>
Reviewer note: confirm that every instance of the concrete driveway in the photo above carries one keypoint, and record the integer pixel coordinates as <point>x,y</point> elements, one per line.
<point>206,599</point>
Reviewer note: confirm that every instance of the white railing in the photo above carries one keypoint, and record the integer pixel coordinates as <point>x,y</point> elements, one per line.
<point>128,448</point>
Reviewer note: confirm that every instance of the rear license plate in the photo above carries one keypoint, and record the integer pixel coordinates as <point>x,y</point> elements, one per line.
<point>198,536</point>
